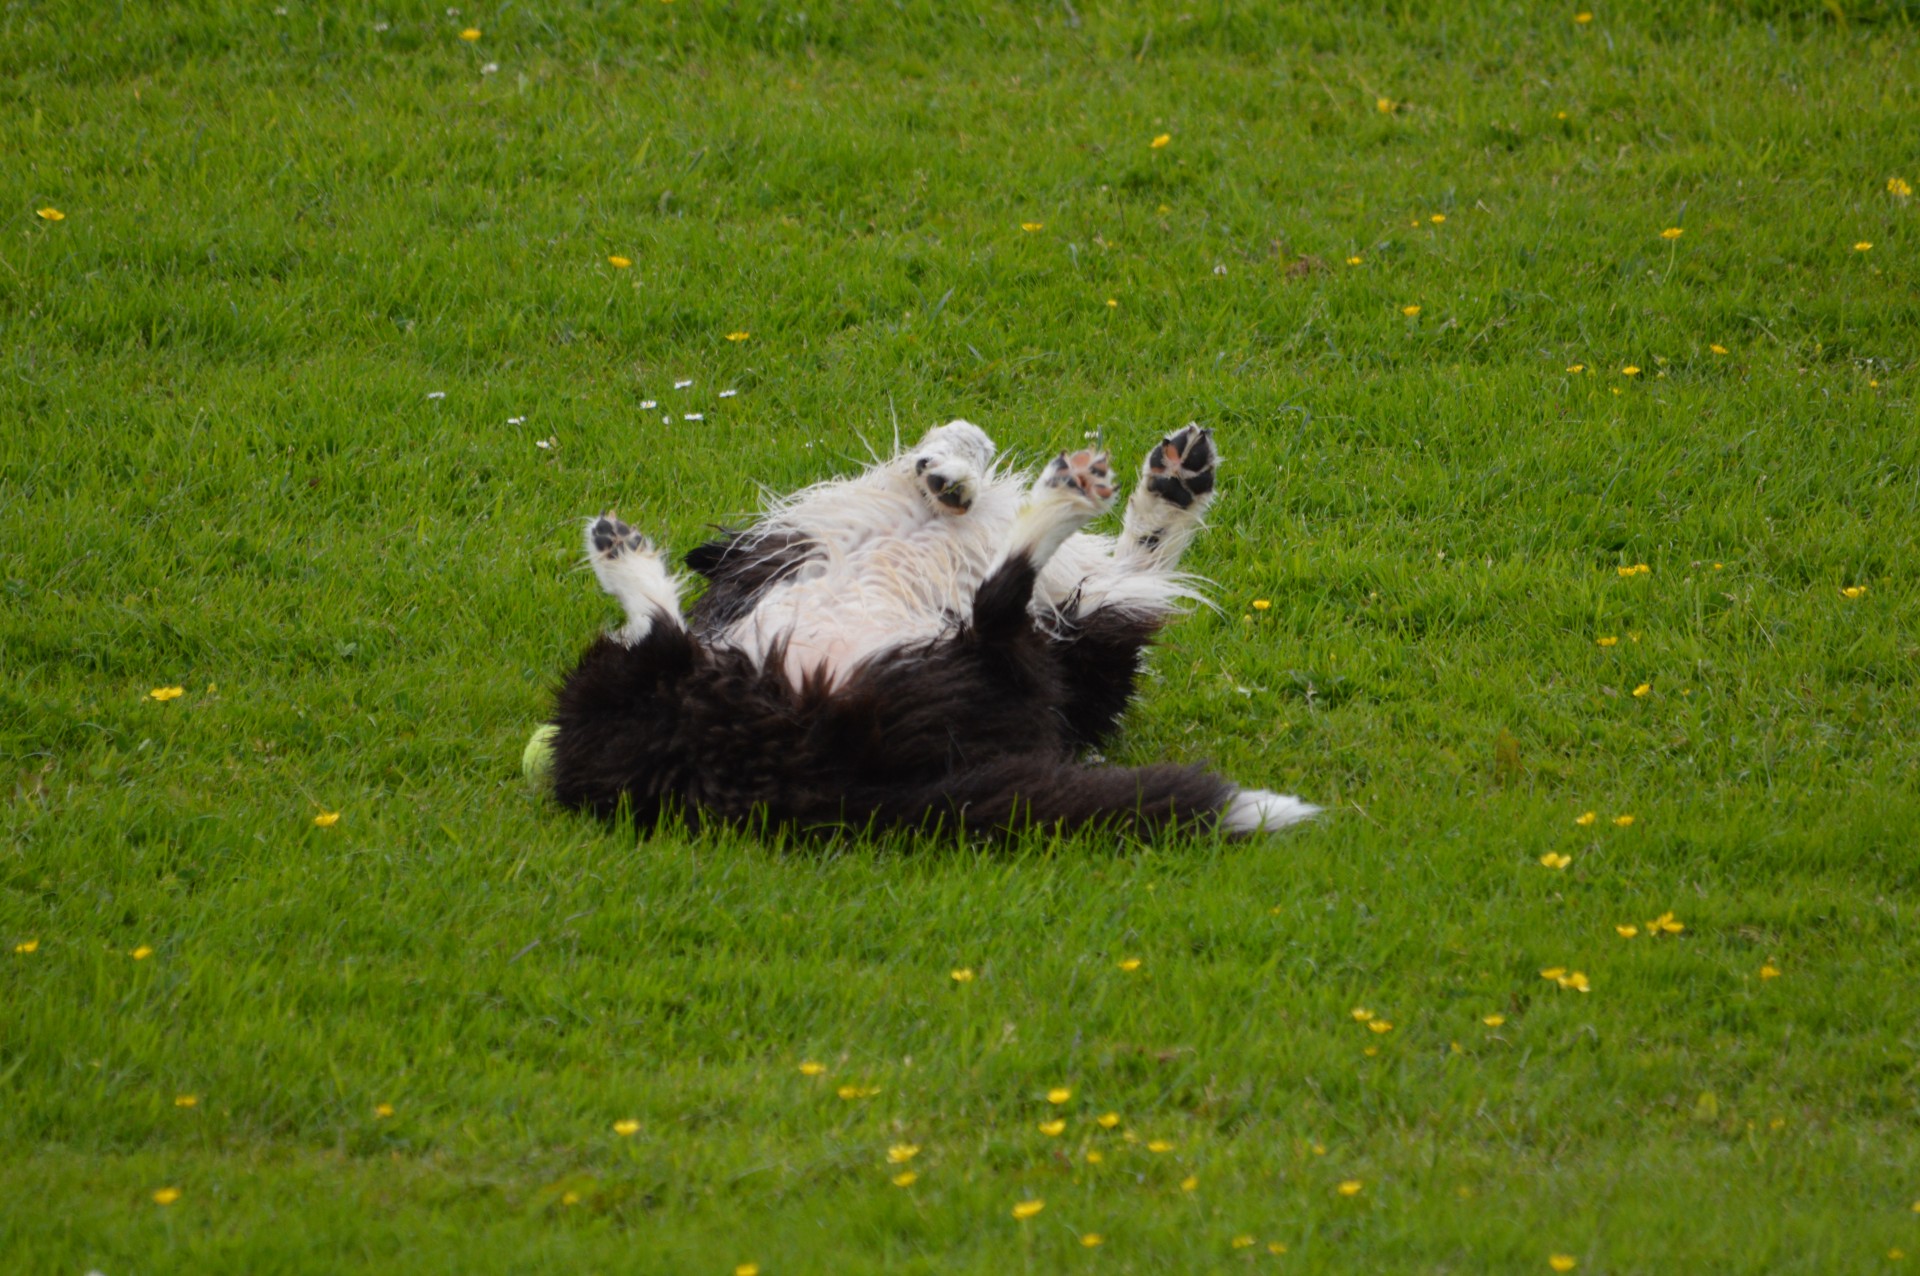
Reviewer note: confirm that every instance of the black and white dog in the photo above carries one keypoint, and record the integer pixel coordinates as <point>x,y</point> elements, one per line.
<point>932,643</point>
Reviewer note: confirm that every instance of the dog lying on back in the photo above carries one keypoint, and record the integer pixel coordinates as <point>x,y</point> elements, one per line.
<point>931,644</point>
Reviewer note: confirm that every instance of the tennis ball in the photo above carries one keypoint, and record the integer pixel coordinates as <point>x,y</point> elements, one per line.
<point>537,762</point>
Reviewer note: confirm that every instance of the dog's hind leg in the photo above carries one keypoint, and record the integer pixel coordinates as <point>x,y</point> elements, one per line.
<point>1074,489</point>
<point>633,571</point>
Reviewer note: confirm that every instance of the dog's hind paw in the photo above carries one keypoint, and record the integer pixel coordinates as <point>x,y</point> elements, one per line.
<point>1087,473</point>
<point>1179,469</point>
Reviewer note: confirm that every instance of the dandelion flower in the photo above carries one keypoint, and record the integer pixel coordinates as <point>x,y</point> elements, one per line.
<point>1583,18</point>
<point>1059,1094</point>
<point>1027,1209</point>
<point>1717,349</point>
<point>1629,371</point>
<point>1769,971</point>
<point>1107,1120</point>
<point>164,694</point>
<point>1160,141</point>
<point>166,1196</point>
<point>1159,1146</point>
<point>1627,931</point>
<point>747,1269</point>
<point>620,263</point>
<point>1092,1240</point>
<point>1895,186</point>
<point>1380,1026</point>
<point>1585,818</point>
<point>738,336</point>
<point>1575,980</point>
<point>1437,218</point>
<point>1672,232</point>
<point>1384,105</point>
<point>626,1129</point>
<point>905,1178</point>
<point>141,953</point>
<point>1410,311</point>
<point>326,819</point>
<point>50,215</point>
<point>1609,640</point>
<point>1190,1183</point>
<point>1053,1128</point>
<point>1130,964</point>
<point>1862,246</point>
<point>964,975</point>
<point>27,946</point>
<point>1353,261</point>
<point>381,1111</point>
<point>1576,367</point>
<point>811,1068</point>
<point>1623,821</point>
<point>1361,1014</point>
<point>1261,604</point>
<point>470,34</point>
<point>1555,860</point>
<point>1643,690</point>
<point>1112,301</point>
<point>1665,922</point>
<point>1030,227</point>
<point>901,1153</point>
<point>1562,1262</point>
<point>1351,1187</point>
<point>1854,591</point>
<point>186,1100</point>
<point>1493,1021</point>
<point>1553,972</point>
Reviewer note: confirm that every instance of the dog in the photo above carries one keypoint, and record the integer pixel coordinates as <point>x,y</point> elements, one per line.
<point>932,644</point>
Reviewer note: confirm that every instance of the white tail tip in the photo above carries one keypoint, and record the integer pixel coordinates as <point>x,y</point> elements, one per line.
<point>1258,811</point>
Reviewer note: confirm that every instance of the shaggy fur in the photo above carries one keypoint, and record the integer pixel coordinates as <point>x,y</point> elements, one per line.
<point>930,644</point>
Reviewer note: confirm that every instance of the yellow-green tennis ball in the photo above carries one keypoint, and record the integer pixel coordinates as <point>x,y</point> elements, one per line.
<point>537,762</point>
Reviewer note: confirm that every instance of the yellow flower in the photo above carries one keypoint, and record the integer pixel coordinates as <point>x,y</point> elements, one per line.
<point>1583,18</point>
<point>1159,1145</point>
<point>1107,1120</point>
<point>857,1091</point>
<point>1261,604</point>
<point>1371,1051</point>
<point>1895,185</point>
<point>166,1196</point>
<point>905,1178</point>
<point>1276,1247</point>
<point>1353,261</point>
<point>1410,311</point>
<point>619,263</point>
<point>1576,367</point>
<point>1717,349</point>
<point>1629,371</point>
<point>1554,860</point>
<point>1384,105</point>
<point>1092,1240</point>
<point>1112,302</point>
<point>1351,1187</point>
<point>1769,971</point>
<point>381,1111</point>
<point>186,1100</point>
<point>1493,1021</point>
<point>1574,980</point>
<point>1027,1209</point>
<point>1672,232</point>
<point>327,819</point>
<point>1644,689</point>
<point>747,1269</point>
<point>901,1153</point>
<point>1059,1094</point>
<point>1862,246</point>
<point>1623,821</point>
<point>27,946</point>
<point>1553,972</point>
<point>1190,1183</point>
<point>1030,227</point>
<point>1094,1157</point>
<point>964,975</point>
<point>1160,141</point>
<point>1562,1262</point>
<point>1666,923</point>
<point>738,336</point>
<point>1054,1127</point>
<point>141,953</point>
<point>1585,818</point>
<point>626,1129</point>
<point>164,694</point>
<point>1437,218</point>
<point>1609,640</point>
<point>1361,1013</point>
<point>1628,931</point>
<point>809,1068</point>
<point>1130,964</point>
<point>1854,591</point>
<point>1379,1025</point>
<point>1242,1242</point>
<point>1559,115</point>
<point>50,215</point>
<point>1319,1149</point>
<point>470,34</point>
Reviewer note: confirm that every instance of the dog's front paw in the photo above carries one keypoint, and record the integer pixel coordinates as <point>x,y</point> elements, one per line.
<point>608,538</point>
<point>1180,468</point>
<point>950,463</point>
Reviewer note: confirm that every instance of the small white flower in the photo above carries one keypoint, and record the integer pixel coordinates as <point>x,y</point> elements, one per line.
<point>490,68</point>
<point>542,443</point>
<point>1220,268</point>
<point>379,26</point>
<point>280,11</point>
<point>436,394</point>
<point>728,394</point>
<point>648,403</point>
<point>666,420</point>
<point>681,385</point>
<point>694,416</point>
<point>516,420</point>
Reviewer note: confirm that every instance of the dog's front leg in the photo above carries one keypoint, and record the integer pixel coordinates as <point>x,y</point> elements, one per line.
<point>1075,489</point>
<point>633,571</point>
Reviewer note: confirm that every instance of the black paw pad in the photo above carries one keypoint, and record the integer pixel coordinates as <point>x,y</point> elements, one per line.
<point>612,537</point>
<point>1180,469</point>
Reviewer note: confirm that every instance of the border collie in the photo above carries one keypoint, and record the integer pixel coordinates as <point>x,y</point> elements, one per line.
<point>932,643</point>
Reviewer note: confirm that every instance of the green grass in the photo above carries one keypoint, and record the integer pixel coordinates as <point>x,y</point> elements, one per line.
<point>221,468</point>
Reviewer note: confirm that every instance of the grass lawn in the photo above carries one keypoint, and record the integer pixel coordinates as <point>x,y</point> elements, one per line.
<point>1565,370</point>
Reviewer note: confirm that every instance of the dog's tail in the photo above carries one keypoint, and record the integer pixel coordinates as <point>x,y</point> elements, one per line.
<point>1009,794</point>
